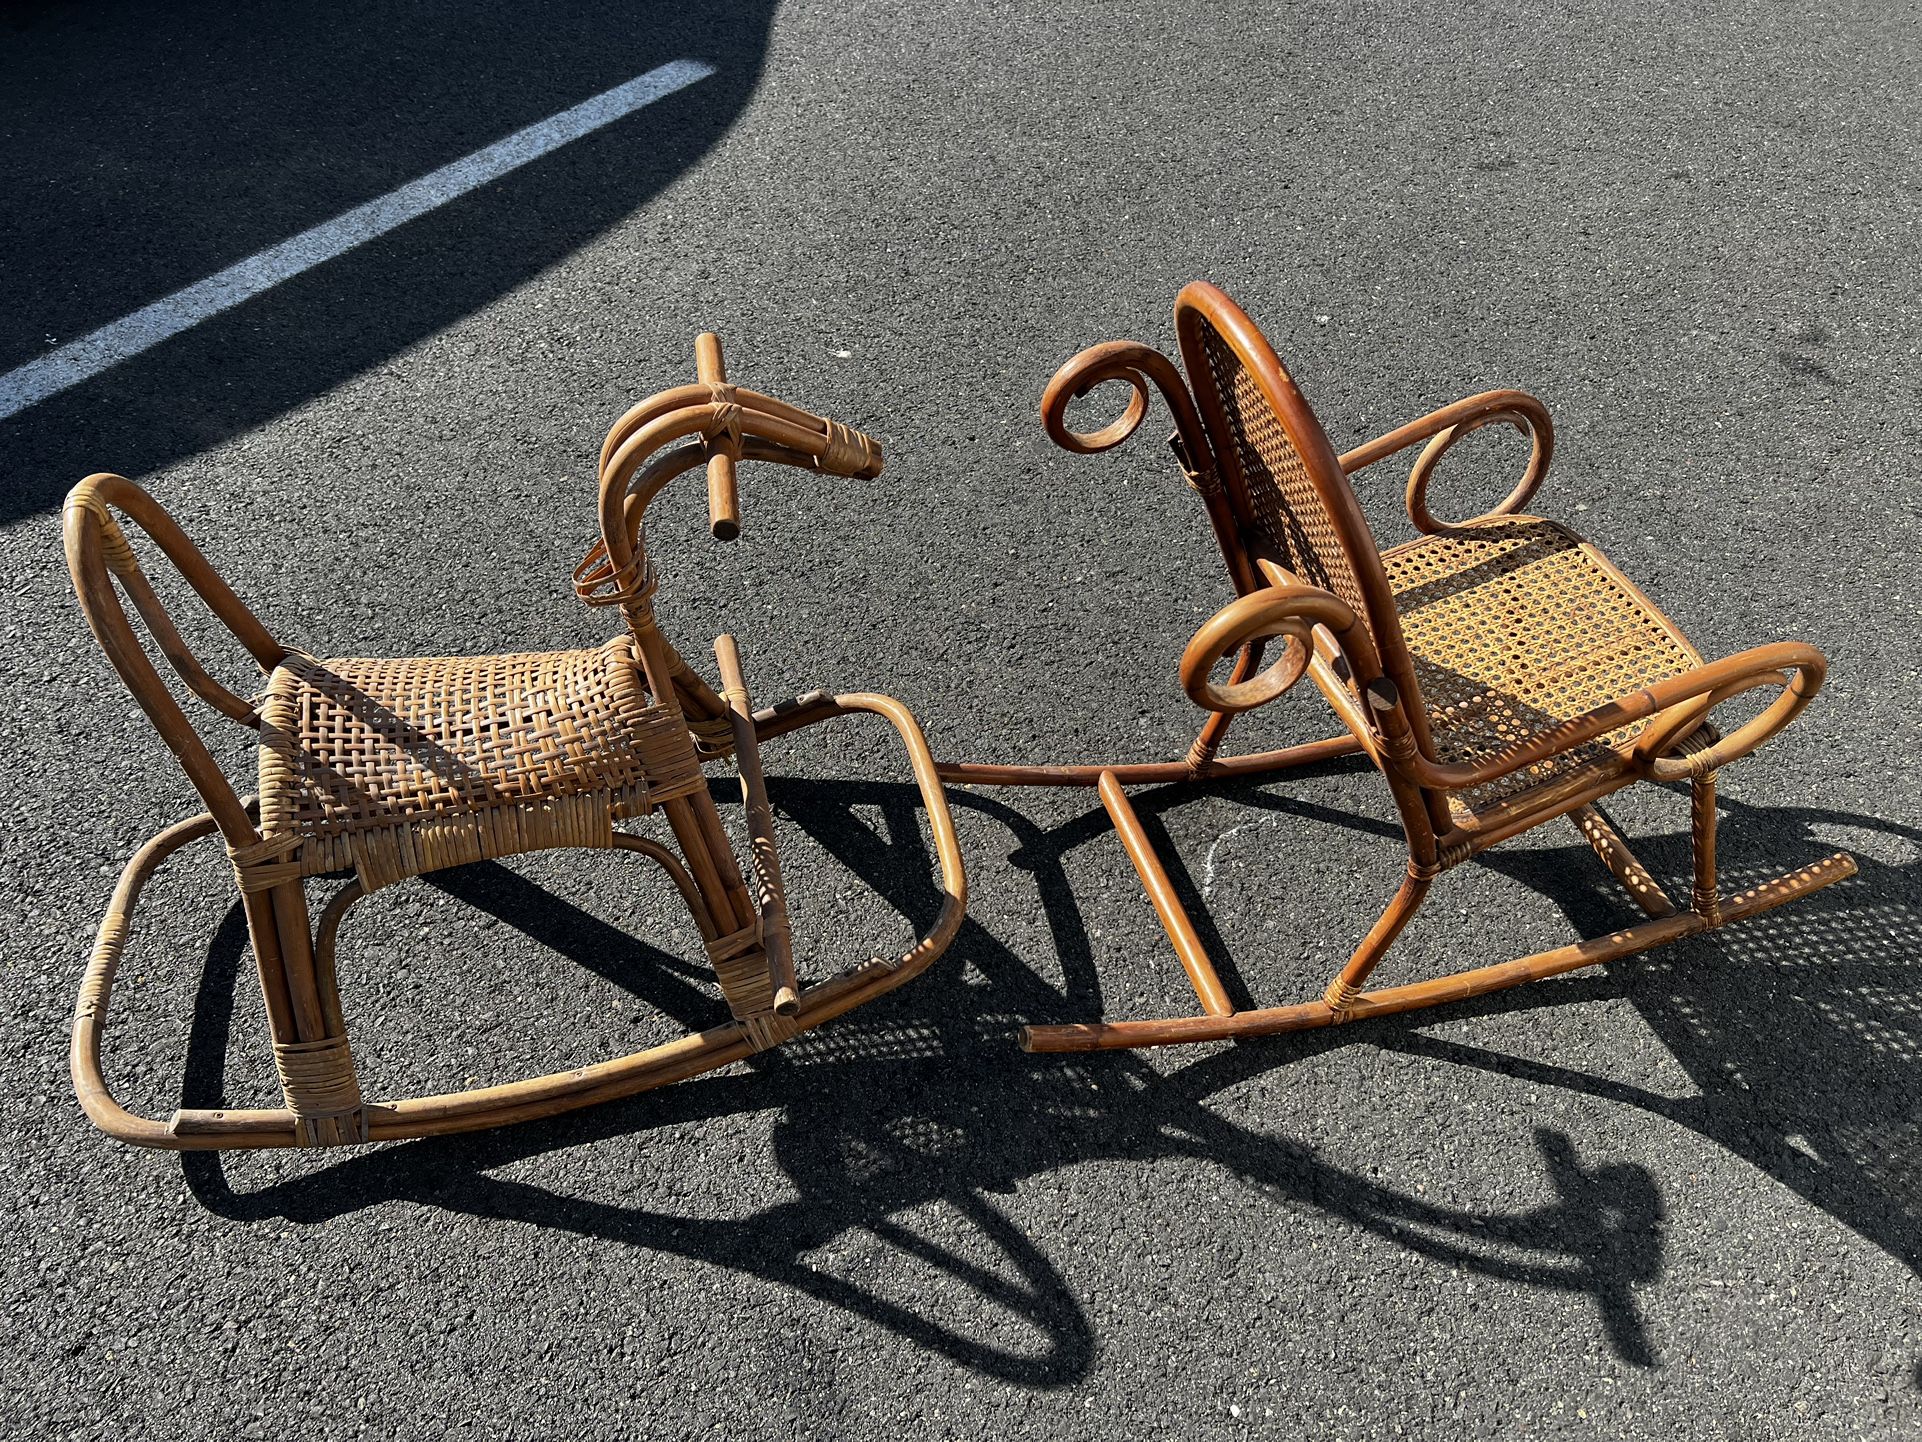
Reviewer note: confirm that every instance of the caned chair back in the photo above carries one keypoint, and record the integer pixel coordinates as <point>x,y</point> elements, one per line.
<point>1294,504</point>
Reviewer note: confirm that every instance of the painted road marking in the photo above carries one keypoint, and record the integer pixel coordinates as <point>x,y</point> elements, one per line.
<point>127,337</point>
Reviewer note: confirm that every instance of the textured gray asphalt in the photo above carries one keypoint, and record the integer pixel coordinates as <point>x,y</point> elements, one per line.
<point>1675,1199</point>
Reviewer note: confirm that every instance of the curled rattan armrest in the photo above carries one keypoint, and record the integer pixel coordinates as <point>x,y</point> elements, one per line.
<point>1442,428</point>
<point>1795,669</point>
<point>1292,612</point>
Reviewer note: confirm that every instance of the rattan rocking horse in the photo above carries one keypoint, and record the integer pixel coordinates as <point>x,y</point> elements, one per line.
<point>1499,671</point>
<point>395,768</point>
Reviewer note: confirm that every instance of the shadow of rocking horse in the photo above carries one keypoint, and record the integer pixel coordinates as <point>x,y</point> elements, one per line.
<point>922,1102</point>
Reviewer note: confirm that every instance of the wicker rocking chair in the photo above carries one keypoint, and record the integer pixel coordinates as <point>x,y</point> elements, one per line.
<point>395,768</point>
<point>1499,671</point>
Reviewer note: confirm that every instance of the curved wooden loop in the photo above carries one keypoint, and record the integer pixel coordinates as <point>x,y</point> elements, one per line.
<point>1797,684</point>
<point>1291,612</point>
<point>96,988</point>
<point>1442,428</point>
<point>1136,366</point>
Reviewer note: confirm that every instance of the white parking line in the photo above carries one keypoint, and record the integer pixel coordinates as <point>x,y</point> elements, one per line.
<point>91,354</point>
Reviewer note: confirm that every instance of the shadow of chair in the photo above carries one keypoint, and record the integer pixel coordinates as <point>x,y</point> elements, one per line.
<point>923,1101</point>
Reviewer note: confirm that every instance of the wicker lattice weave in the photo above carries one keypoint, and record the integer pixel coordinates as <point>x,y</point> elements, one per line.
<point>1286,510</point>
<point>395,767</point>
<point>1515,626</point>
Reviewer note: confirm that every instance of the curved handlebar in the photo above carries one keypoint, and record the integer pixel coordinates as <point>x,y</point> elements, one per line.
<point>732,424</point>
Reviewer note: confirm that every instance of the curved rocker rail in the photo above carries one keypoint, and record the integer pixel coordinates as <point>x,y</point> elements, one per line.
<point>1271,1021</point>
<point>201,1130</point>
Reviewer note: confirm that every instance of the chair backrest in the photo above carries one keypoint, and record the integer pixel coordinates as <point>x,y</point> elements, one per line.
<point>98,557</point>
<point>1282,477</point>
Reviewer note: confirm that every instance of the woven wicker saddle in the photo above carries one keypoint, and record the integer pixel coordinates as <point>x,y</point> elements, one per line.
<point>391,768</point>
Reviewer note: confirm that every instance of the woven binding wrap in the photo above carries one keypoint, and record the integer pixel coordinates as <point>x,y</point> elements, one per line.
<point>319,1081</point>
<point>725,429</point>
<point>847,450</point>
<point>1695,746</point>
<point>599,582</point>
<point>398,767</point>
<point>740,965</point>
<point>114,549</point>
<point>769,1029</point>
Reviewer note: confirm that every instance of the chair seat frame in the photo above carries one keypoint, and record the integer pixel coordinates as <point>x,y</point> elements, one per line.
<point>1355,655</point>
<point>746,931</point>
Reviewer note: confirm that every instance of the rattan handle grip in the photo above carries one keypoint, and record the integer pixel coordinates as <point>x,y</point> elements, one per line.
<point>848,452</point>
<point>723,488</point>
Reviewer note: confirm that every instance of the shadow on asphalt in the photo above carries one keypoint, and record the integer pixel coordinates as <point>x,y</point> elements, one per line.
<point>1800,1039</point>
<point>152,146</point>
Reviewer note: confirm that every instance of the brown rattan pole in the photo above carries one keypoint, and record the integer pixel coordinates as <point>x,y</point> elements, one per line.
<point>980,773</point>
<point>263,930</point>
<point>697,827</point>
<point>677,873</point>
<point>703,864</point>
<point>1642,888</point>
<point>723,491</point>
<point>776,939</point>
<point>186,665</point>
<point>1103,1036</point>
<point>794,713</point>
<point>326,944</point>
<point>1374,946</point>
<point>96,988</point>
<point>1781,890</point>
<point>1707,899</point>
<point>1174,920</point>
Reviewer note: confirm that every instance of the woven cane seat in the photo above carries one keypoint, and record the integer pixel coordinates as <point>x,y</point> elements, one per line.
<point>1514,626</point>
<point>397,767</point>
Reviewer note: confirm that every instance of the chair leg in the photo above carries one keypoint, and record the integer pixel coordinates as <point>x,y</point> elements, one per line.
<point>1642,888</point>
<point>1346,986</point>
<point>1161,893</point>
<point>317,1075</point>
<point>1707,900</point>
<point>1201,756</point>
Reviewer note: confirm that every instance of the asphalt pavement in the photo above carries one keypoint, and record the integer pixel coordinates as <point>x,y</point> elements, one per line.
<point>1675,1198</point>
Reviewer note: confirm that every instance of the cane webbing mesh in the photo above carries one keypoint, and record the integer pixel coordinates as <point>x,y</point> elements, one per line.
<point>1285,509</point>
<point>396,767</point>
<point>1515,626</point>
